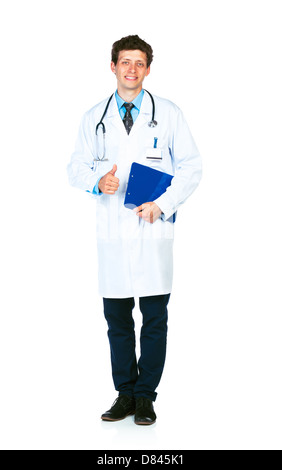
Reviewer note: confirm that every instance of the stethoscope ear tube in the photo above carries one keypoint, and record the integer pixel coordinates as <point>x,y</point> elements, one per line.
<point>152,123</point>
<point>103,127</point>
<point>104,114</point>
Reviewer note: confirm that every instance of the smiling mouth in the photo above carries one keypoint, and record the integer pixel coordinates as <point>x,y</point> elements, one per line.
<point>131,78</point>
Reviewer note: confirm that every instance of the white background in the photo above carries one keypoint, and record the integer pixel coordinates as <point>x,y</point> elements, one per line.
<point>220,61</point>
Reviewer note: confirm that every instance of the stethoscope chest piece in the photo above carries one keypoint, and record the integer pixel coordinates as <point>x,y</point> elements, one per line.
<point>152,123</point>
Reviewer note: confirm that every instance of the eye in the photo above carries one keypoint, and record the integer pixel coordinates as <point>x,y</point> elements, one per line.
<point>140,64</point>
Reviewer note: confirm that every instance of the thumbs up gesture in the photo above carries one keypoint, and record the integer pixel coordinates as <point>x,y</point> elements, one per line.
<point>109,183</point>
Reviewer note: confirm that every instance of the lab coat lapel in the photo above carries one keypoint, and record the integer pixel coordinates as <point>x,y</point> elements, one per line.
<point>114,116</point>
<point>144,114</point>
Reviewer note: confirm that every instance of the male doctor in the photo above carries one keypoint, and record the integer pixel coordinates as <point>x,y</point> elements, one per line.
<point>134,246</point>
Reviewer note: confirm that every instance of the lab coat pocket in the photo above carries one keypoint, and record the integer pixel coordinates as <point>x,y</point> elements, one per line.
<point>161,164</point>
<point>153,157</point>
<point>154,154</point>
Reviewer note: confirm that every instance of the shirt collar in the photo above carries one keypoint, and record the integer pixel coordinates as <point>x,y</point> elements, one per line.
<point>137,101</point>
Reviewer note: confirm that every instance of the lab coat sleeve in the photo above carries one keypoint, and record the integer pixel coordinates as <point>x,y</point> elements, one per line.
<point>187,168</point>
<point>82,170</point>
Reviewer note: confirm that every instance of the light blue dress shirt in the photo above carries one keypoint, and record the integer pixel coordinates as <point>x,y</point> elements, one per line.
<point>134,113</point>
<point>137,105</point>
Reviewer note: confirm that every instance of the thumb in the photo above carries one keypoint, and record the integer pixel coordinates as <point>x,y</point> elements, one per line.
<point>113,170</point>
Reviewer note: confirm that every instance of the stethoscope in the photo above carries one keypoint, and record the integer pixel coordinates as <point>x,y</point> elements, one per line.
<point>152,123</point>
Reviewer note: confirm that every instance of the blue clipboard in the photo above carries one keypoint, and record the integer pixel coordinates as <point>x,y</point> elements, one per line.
<point>146,184</point>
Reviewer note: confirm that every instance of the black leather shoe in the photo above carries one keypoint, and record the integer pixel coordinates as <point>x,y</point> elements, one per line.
<point>122,407</point>
<point>144,411</point>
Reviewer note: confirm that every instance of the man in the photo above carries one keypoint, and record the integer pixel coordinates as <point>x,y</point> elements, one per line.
<point>134,246</point>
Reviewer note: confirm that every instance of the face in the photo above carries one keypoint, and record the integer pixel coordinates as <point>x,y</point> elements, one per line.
<point>130,70</point>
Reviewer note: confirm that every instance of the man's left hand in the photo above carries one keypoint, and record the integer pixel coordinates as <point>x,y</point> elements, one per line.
<point>149,211</point>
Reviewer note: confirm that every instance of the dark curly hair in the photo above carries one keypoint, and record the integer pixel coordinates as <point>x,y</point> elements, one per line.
<point>132,43</point>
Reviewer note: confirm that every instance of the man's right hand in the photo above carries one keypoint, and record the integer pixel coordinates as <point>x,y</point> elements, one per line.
<point>109,183</point>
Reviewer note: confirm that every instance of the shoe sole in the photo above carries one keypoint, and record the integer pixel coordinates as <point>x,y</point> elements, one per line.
<point>143,423</point>
<point>119,419</point>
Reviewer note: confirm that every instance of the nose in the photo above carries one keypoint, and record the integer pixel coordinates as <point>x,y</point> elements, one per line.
<point>132,68</point>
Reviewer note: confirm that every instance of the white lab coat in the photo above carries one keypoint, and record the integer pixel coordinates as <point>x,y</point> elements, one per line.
<point>135,257</point>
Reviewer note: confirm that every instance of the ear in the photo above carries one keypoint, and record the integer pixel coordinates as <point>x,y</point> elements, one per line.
<point>113,67</point>
<point>148,71</point>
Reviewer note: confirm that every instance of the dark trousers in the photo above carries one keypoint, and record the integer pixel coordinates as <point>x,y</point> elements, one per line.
<point>142,378</point>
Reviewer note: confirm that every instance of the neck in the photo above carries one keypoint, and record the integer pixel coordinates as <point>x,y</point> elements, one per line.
<point>128,95</point>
